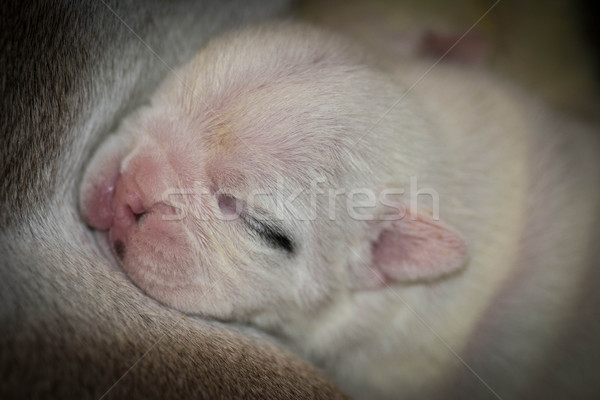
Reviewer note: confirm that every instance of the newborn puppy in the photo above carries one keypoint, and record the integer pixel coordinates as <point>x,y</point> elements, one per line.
<point>279,179</point>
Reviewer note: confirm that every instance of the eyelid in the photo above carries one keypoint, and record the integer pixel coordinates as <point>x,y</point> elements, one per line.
<point>272,235</point>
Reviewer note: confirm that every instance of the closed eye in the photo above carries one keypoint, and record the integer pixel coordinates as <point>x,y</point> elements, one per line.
<point>273,236</point>
<point>270,234</point>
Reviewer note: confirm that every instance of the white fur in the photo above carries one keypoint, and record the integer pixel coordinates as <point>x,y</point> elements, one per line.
<point>292,105</point>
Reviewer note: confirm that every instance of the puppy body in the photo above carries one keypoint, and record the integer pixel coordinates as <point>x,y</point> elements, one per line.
<point>481,239</point>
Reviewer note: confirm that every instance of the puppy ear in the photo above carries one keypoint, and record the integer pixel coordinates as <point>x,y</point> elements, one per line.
<point>413,248</point>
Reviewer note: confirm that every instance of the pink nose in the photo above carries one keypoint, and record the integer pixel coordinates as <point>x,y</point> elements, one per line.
<point>96,199</point>
<point>115,200</point>
<point>114,203</point>
<point>127,207</point>
<point>126,199</point>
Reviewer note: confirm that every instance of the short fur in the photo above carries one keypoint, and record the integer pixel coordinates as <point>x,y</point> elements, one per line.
<point>280,107</point>
<point>70,326</point>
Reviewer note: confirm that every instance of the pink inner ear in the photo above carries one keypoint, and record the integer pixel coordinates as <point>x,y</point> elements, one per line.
<point>416,248</point>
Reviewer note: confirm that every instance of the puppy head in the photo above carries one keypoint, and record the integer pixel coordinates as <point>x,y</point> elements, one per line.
<point>227,196</point>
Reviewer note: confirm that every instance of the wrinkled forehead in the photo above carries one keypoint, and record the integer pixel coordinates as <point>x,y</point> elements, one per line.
<point>255,136</point>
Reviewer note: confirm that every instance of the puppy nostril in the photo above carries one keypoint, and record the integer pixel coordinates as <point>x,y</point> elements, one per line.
<point>139,216</point>
<point>119,247</point>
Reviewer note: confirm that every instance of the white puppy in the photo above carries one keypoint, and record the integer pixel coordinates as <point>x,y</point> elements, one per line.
<point>280,179</point>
